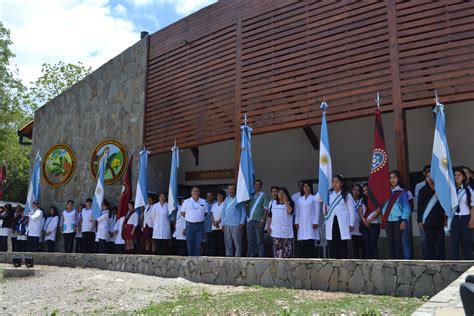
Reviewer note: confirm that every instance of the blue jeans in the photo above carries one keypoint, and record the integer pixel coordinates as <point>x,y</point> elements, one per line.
<point>461,236</point>
<point>255,240</point>
<point>194,236</point>
<point>233,241</point>
<point>406,240</point>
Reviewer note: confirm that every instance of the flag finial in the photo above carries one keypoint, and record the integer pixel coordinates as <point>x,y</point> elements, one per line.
<point>324,105</point>
<point>439,105</point>
<point>378,100</point>
<point>245,119</point>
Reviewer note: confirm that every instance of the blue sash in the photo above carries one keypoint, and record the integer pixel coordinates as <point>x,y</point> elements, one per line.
<point>461,194</point>
<point>333,205</point>
<point>429,207</point>
<point>254,206</point>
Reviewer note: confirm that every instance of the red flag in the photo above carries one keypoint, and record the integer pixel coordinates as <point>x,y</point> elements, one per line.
<point>126,194</point>
<point>3,177</point>
<point>379,185</point>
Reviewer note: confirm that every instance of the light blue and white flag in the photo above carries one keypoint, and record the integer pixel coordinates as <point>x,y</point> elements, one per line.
<point>245,179</point>
<point>441,168</point>
<point>99,189</point>
<point>325,164</point>
<point>142,184</point>
<point>34,189</point>
<point>173,187</point>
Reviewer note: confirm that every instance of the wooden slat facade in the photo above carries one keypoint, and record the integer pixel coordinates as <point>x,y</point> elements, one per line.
<point>276,60</point>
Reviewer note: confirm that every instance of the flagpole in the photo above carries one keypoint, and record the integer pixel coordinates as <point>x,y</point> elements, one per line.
<point>378,100</point>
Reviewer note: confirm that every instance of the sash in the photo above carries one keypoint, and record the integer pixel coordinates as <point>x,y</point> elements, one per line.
<point>125,223</point>
<point>333,205</point>
<point>429,207</point>
<point>461,194</point>
<point>357,207</point>
<point>389,207</point>
<point>254,206</point>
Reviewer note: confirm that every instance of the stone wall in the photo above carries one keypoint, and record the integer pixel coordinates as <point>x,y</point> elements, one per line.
<point>109,103</point>
<point>400,278</point>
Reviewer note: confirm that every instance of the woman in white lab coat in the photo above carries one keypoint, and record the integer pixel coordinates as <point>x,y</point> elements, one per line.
<point>339,218</point>
<point>50,228</point>
<point>357,241</point>
<point>111,237</point>
<point>103,229</point>
<point>307,213</point>
<point>161,226</point>
<point>147,226</point>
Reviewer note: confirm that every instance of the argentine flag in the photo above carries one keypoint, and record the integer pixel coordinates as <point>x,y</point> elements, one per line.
<point>325,164</point>
<point>441,168</point>
<point>142,184</point>
<point>173,187</point>
<point>245,188</point>
<point>99,189</point>
<point>34,190</point>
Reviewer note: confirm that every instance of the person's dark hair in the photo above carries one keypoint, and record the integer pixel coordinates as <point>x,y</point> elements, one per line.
<point>106,203</point>
<point>274,187</point>
<point>131,202</point>
<point>343,186</point>
<point>195,187</point>
<point>426,168</point>
<point>70,201</point>
<point>360,190</point>
<point>55,209</point>
<point>159,194</point>
<point>152,197</point>
<point>221,192</point>
<point>309,184</point>
<point>465,186</point>
<point>89,200</point>
<point>397,174</point>
<point>82,205</point>
<point>466,167</point>
<point>285,190</point>
<point>365,198</point>
<point>259,181</point>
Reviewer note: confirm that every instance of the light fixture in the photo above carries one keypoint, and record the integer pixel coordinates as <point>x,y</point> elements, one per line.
<point>184,42</point>
<point>29,262</point>
<point>16,261</point>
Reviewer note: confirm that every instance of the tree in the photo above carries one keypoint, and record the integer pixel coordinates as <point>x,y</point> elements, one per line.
<point>54,80</point>
<point>12,117</point>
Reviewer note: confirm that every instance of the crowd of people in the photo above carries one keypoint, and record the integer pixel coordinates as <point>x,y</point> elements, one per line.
<point>221,226</point>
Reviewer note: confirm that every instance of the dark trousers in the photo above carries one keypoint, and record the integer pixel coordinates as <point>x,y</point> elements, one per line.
<point>13,239</point>
<point>50,244</point>
<point>216,243</point>
<point>307,248</point>
<point>102,246</point>
<point>21,246</point>
<point>79,245</point>
<point>161,246</point>
<point>119,249</point>
<point>358,247</point>
<point>181,249</point>
<point>88,242</point>
<point>110,247</point>
<point>461,236</point>
<point>33,244</point>
<point>370,236</point>
<point>337,247</point>
<point>68,242</point>
<point>3,243</point>
<point>435,242</point>
<point>394,236</point>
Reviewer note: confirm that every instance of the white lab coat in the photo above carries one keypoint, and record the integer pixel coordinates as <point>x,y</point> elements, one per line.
<point>161,222</point>
<point>357,221</point>
<point>344,211</point>
<point>103,226</point>
<point>35,225</point>
<point>111,221</point>
<point>180,225</point>
<point>306,214</point>
<point>50,227</point>
<point>118,231</point>
<point>148,216</point>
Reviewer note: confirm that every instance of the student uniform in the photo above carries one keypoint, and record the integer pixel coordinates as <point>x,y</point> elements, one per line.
<point>217,244</point>
<point>281,230</point>
<point>460,233</point>
<point>119,241</point>
<point>161,228</point>
<point>307,212</point>
<point>356,234</point>
<point>69,229</point>
<point>131,221</point>
<point>370,234</point>
<point>337,224</point>
<point>181,249</point>
<point>88,230</point>
<point>103,230</point>
<point>195,212</point>
<point>50,229</point>
<point>5,229</point>
<point>148,222</point>
<point>79,239</point>
<point>111,235</point>
<point>35,229</point>
<point>22,231</point>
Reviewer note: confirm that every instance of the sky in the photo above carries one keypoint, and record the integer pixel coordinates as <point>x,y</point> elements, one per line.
<point>90,31</point>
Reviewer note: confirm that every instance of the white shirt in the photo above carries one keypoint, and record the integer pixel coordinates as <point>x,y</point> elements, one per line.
<point>118,231</point>
<point>282,222</point>
<point>344,211</point>
<point>357,220</point>
<point>79,219</point>
<point>34,224</point>
<point>133,220</point>
<point>194,211</point>
<point>111,222</point>
<point>180,225</point>
<point>69,221</point>
<point>295,197</point>
<point>464,209</point>
<point>371,215</point>
<point>161,223</point>
<point>88,221</point>
<point>148,218</point>
<point>216,211</point>
<point>103,225</point>
<point>306,214</point>
<point>50,227</point>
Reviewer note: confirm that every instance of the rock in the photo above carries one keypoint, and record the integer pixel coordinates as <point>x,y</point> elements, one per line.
<point>418,270</point>
<point>404,274</point>
<point>334,280</point>
<point>267,278</point>
<point>424,286</point>
<point>404,290</point>
<point>356,281</point>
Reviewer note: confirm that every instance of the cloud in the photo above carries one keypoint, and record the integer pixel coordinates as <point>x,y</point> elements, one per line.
<point>91,31</point>
<point>182,7</point>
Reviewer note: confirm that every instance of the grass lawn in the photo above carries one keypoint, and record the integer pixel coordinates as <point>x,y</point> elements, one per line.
<point>279,301</point>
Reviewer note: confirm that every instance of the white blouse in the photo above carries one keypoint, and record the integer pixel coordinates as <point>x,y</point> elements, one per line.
<point>180,225</point>
<point>34,224</point>
<point>103,225</point>
<point>465,209</point>
<point>148,217</point>
<point>50,228</point>
<point>282,222</point>
<point>69,221</point>
<point>357,220</point>
<point>306,214</point>
<point>216,211</point>
<point>161,224</point>
<point>118,231</point>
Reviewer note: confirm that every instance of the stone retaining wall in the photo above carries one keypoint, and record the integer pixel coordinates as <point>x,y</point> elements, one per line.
<point>400,278</point>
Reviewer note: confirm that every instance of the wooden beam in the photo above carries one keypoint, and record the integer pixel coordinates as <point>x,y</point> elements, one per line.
<point>401,141</point>
<point>195,151</point>
<point>313,139</point>
<point>238,94</point>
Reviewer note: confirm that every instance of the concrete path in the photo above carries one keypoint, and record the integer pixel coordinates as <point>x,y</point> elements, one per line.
<point>446,302</point>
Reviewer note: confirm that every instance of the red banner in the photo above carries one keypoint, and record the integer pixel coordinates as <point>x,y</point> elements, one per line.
<point>126,194</point>
<point>3,177</point>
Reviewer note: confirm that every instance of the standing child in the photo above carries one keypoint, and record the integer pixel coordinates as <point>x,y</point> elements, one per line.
<point>21,230</point>
<point>50,228</point>
<point>111,236</point>
<point>129,228</point>
<point>79,237</point>
<point>119,241</point>
<point>68,224</point>
<point>357,240</point>
<point>103,227</point>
